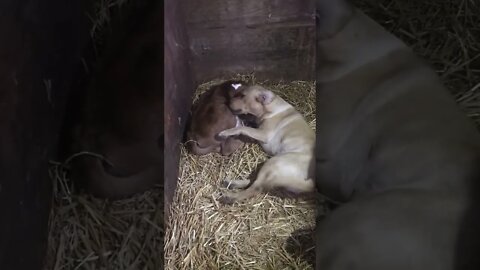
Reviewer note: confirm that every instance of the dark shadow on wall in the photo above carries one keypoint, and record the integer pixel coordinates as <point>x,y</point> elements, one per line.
<point>101,46</point>
<point>40,49</point>
<point>467,248</point>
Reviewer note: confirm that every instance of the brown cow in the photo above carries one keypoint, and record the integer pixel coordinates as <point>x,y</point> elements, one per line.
<point>123,115</point>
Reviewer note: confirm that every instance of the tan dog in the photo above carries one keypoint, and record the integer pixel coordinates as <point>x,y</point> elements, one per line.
<point>210,115</point>
<point>395,148</point>
<point>283,134</point>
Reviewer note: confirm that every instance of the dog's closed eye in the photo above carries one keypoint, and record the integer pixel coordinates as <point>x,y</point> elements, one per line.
<point>239,95</point>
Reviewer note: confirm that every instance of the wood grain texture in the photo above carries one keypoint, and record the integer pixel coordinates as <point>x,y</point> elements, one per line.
<point>179,88</point>
<point>275,39</point>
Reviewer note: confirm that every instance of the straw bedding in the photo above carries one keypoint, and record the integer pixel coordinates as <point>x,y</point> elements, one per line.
<point>87,233</point>
<point>255,234</point>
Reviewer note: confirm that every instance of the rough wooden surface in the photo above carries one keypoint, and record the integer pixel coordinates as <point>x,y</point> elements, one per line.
<point>275,39</point>
<point>40,49</point>
<point>178,87</point>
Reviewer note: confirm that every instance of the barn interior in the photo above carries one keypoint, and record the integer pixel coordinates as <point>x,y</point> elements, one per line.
<point>267,232</point>
<point>267,42</point>
<point>47,56</point>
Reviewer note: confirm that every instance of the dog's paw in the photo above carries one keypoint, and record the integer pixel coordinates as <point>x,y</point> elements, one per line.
<point>225,199</point>
<point>224,134</point>
<point>228,132</point>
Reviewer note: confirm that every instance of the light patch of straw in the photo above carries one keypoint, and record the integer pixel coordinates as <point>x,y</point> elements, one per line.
<point>255,234</point>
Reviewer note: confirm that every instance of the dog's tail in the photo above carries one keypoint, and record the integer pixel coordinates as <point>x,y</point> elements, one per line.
<point>93,174</point>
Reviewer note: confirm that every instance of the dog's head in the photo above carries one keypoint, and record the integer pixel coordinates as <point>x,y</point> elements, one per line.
<point>252,100</point>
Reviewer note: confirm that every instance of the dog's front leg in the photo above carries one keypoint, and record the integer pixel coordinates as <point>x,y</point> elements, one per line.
<point>254,133</point>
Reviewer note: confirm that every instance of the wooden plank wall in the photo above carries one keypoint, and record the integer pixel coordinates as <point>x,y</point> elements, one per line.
<point>178,89</point>
<point>273,38</point>
<point>41,44</point>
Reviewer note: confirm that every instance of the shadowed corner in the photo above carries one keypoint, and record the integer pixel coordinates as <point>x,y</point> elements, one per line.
<point>301,245</point>
<point>468,239</point>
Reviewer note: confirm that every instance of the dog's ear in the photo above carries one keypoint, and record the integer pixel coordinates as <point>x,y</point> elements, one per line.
<point>265,97</point>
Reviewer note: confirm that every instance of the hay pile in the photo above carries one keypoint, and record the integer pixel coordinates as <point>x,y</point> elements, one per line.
<point>255,234</point>
<point>89,233</point>
<point>446,33</point>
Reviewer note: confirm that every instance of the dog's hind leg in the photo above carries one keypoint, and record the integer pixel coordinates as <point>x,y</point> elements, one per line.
<point>292,185</point>
<point>266,179</point>
<point>231,197</point>
<point>231,184</point>
<point>295,185</point>
<point>277,172</point>
<point>255,188</point>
